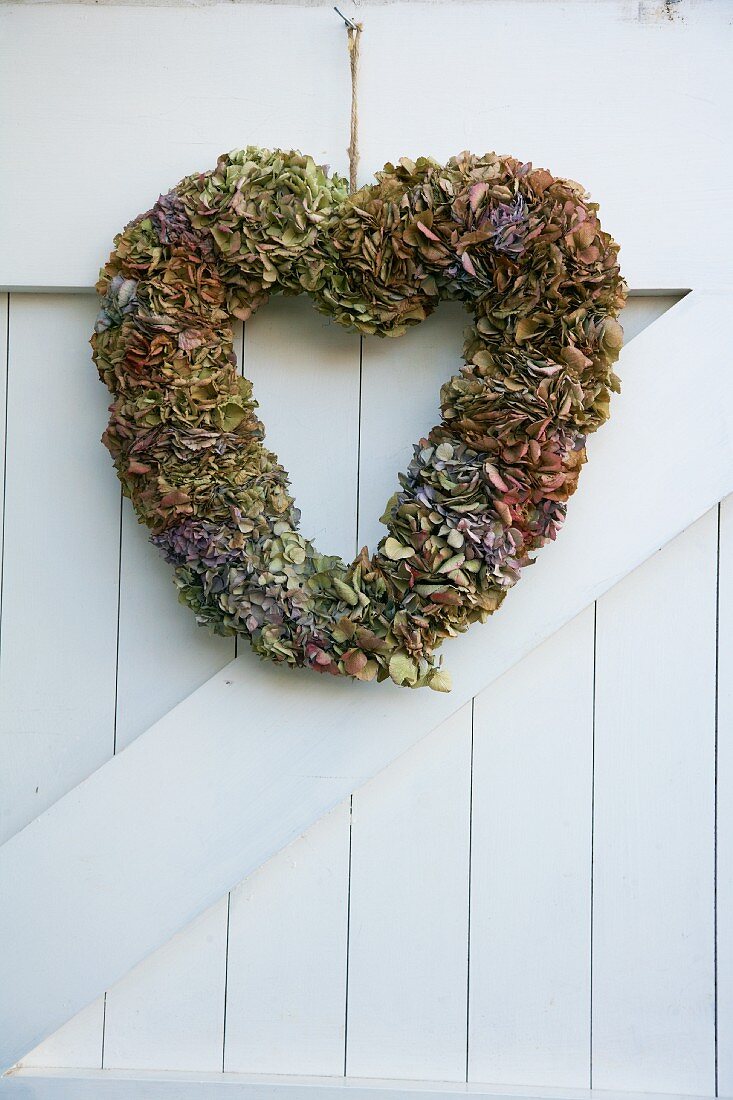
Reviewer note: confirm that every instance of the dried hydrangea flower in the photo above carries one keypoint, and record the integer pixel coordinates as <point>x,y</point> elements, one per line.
<point>486,488</point>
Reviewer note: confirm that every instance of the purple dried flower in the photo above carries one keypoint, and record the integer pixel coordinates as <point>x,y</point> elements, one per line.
<point>510,221</point>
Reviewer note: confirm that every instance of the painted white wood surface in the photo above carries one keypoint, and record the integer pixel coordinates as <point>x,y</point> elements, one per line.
<point>168,1012</point>
<point>654,823</point>
<point>277,75</point>
<point>530,881</point>
<point>400,398</point>
<point>642,310</point>
<point>4,333</point>
<point>58,659</point>
<point>670,91</point>
<point>667,73</point>
<point>566,582</point>
<point>400,403</point>
<point>286,988</point>
<point>78,1044</point>
<point>724,806</point>
<point>531,842</point>
<point>106,1085</point>
<point>408,942</point>
<point>61,532</point>
<point>162,654</point>
<point>59,1052</point>
<point>226,64</point>
<point>152,622</point>
<point>305,371</point>
<point>176,1020</point>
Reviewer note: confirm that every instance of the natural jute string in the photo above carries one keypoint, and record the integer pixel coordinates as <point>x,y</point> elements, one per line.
<point>353,32</point>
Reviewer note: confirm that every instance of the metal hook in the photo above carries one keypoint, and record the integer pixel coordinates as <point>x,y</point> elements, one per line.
<point>349,22</point>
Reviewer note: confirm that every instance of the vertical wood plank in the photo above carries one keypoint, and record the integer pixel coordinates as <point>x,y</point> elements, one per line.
<point>725,805</point>
<point>60,565</point>
<point>529,1018</point>
<point>409,912</point>
<point>305,372</point>
<point>286,984</point>
<point>653,928</point>
<point>59,621</point>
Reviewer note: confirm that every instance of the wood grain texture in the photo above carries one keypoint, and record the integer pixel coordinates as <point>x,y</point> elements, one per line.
<point>408,938</point>
<point>279,750</point>
<point>286,991</point>
<point>653,881</point>
<point>530,978</point>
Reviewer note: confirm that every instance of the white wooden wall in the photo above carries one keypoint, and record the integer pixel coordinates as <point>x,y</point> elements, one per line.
<point>540,893</point>
<point>528,897</point>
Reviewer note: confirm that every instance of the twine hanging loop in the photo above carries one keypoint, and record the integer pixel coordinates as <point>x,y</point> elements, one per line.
<point>353,33</point>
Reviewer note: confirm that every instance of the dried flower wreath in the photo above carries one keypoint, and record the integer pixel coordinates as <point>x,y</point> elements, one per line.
<point>522,250</point>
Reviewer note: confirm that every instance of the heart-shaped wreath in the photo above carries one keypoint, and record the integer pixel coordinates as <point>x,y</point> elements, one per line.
<point>526,254</point>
